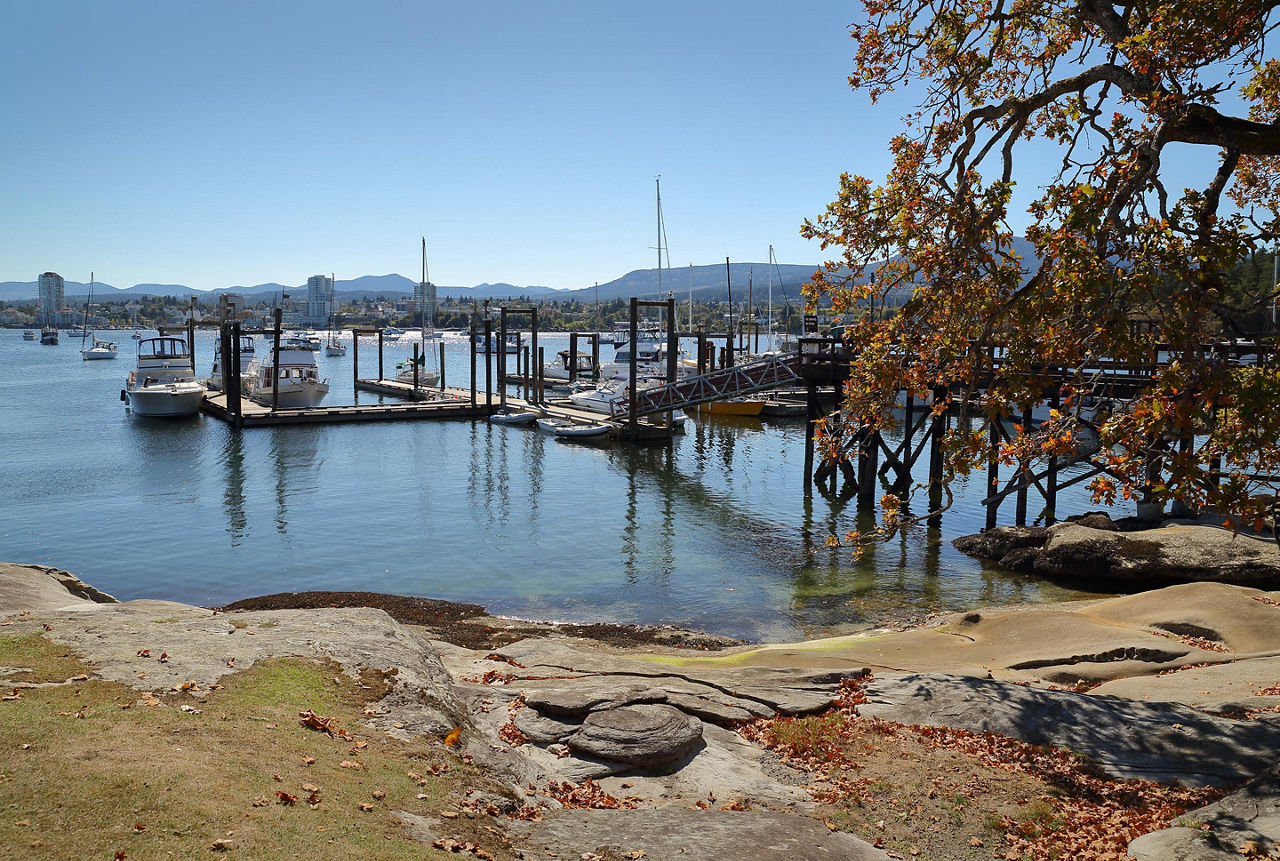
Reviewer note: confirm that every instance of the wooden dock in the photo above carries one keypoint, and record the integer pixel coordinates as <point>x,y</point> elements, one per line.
<point>256,415</point>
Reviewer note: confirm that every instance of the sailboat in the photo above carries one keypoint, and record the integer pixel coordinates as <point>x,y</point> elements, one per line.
<point>100,349</point>
<point>407,371</point>
<point>333,347</point>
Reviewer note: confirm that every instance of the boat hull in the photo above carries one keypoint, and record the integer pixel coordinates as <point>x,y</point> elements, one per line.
<point>165,400</point>
<point>292,396</point>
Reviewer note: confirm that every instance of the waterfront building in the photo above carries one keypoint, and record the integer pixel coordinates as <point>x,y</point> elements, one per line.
<point>319,300</point>
<point>52,297</point>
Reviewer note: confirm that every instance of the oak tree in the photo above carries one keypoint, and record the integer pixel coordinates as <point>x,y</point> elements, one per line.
<point>1136,146</point>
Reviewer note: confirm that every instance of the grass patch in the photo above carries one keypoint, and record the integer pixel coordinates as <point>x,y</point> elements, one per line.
<point>32,658</point>
<point>90,769</point>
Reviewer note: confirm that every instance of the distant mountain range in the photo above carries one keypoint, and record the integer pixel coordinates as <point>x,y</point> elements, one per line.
<point>708,282</point>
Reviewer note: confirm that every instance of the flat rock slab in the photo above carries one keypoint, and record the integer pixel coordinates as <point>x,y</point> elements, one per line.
<point>639,735</point>
<point>202,646</point>
<point>589,695</point>
<point>695,835</point>
<point>1251,814</point>
<point>1153,741</point>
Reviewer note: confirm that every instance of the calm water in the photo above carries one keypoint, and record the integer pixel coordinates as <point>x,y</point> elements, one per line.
<point>713,532</point>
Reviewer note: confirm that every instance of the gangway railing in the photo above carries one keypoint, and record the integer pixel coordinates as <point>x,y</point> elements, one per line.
<point>757,376</point>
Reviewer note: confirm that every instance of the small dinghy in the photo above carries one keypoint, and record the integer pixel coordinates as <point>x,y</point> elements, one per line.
<point>566,429</point>
<point>520,418</point>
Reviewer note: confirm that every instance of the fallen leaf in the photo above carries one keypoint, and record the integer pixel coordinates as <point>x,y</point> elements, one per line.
<point>452,738</point>
<point>285,798</point>
<point>366,807</point>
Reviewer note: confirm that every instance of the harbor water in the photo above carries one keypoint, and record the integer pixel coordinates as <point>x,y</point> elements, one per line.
<point>712,532</point>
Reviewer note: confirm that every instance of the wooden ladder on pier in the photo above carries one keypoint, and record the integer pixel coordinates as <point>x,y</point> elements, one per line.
<point>757,376</point>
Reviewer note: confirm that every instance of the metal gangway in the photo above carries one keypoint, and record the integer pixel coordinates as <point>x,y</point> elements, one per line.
<point>756,376</point>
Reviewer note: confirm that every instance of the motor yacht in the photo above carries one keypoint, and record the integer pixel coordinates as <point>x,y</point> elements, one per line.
<point>163,383</point>
<point>291,381</point>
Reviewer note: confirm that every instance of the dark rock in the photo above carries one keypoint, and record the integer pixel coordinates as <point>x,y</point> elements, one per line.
<point>996,543</point>
<point>641,735</point>
<point>1095,520</point>
<point>1021,560</point>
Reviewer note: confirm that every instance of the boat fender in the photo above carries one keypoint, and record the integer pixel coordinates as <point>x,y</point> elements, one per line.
<point>123,396</point>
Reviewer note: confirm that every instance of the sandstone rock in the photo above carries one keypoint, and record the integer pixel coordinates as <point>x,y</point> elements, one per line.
<point>544,729</point>
<point>693,835</point>
<point>590,695</point>
<point>1251,813</point>
<point>640,735</point>
<point>709,710</point>
<point>1159,556</point>
<point>1153,741</point>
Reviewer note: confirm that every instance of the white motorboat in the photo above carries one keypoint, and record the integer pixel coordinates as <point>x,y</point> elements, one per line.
<point>512,345</point>
<point>565,429</point>
<point>291,381</point>
<point>514,418</point>
<point>391,333</point>
<point>163,383</point>
<point>604,397</point>
<point>246,361</point>
<point>28,335</point>
<point>100,350</point>
<point>404,372</point>
<point>559,369</point>
<point>651,360</point>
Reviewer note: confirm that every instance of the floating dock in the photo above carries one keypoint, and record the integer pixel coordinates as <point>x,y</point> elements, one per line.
<point>426,407</point>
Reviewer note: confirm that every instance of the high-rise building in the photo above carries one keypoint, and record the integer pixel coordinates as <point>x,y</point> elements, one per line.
<point>52,297</point>
<point>319,300</point>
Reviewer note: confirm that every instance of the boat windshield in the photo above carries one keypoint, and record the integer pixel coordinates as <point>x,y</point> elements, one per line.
<point>160,348</point>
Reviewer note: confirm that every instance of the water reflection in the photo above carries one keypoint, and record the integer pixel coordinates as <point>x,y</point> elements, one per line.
<point>233,494</point>
<point>292,454</point>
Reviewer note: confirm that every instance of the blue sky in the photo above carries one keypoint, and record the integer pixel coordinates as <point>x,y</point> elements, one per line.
<point>238,143</point>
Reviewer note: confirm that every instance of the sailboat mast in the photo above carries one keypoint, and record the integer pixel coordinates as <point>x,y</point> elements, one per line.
<point>690,295</point>
<point>84,327</point>
<point>657,181</point>
<point>770,264</point>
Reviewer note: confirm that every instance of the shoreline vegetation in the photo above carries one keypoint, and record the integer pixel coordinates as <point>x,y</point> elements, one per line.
<point>399,727</point>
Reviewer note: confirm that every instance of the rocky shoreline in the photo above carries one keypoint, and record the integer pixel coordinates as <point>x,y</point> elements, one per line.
<point>1129,555</point>
<point>1178,684</point>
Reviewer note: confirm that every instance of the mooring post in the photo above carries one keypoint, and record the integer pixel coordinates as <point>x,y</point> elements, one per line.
<point>355,359</point>
<point>936,432</point>
<point>541,359</point>
<point>631,390</point>
<point>903,469</point>
<point>1024,474</point>
<point>472,349</point>
<point>502,357</point>
<point>191,339</point>
<point>234,404</point>
<point>1051,477</point>
<point>810,428</point>
<point>868,449</point>
<point>488,366</point>
<point>993,472</point>
<point>275,363</point>
<point>535,353</point>
<point>416,357</point>
<point>224,350</point>
<point>379,355</point>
